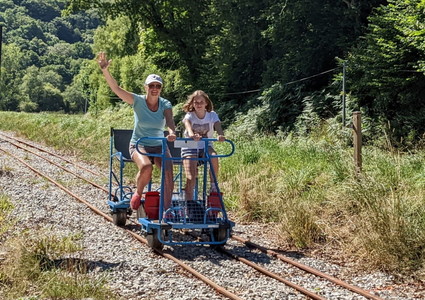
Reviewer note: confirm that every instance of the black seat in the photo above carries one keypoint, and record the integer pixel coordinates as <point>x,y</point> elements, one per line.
<point>121,139</point>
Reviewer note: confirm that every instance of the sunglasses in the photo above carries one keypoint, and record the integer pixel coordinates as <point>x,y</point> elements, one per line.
<point>155,86</point>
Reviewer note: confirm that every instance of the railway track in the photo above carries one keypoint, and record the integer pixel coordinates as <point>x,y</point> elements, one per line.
<point>238,256</point>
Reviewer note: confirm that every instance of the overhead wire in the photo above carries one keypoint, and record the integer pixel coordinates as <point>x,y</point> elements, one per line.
<point>257,90</point>
<point>287,83</point>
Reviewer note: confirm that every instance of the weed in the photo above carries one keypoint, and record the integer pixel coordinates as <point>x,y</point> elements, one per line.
<point>5,171</point>
<point>33,268</point>
<point>5,208</point>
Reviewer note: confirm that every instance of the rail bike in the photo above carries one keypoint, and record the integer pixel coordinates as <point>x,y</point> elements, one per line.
<point>202,219</point>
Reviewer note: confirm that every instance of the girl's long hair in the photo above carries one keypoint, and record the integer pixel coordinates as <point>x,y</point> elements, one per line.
<point>188,106</point>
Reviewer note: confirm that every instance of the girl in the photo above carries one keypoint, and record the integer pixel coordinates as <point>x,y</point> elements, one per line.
<point>200,121</point>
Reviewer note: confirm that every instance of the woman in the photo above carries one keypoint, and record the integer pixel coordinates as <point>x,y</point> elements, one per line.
<point>151,113</point>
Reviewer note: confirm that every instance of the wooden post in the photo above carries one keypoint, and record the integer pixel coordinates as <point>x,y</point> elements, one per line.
<point>343,94</point>
<point>357,139</point>
<point>1,41</point>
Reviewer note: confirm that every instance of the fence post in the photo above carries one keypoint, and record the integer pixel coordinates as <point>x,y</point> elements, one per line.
<point>357,140</point>
<point>343,94</point>
<point>1,42</point>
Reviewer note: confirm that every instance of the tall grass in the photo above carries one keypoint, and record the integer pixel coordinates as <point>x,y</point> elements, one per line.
<point>35,266</point>
<point>387,204</point>
<point>5,208</point>
<point>285,180</point>
<point>308,187</point>
<point>305,187</point>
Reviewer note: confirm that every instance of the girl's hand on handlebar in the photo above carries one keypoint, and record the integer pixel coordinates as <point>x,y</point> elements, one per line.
<point>196,137</point>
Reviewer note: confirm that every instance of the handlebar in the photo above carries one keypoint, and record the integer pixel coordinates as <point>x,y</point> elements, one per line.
<point>184,140</point>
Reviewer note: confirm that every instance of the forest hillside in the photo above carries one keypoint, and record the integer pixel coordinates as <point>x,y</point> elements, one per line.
<point>43,52</point>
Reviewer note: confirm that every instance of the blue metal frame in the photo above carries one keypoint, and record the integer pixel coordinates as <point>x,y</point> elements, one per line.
<point>122,197</point>
<point>119,198</point>
<point>149,226</point>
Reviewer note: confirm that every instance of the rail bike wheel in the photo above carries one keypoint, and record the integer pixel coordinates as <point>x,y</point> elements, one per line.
<point>153,240</point>
<point>119,217</point>
<point>218,235</point>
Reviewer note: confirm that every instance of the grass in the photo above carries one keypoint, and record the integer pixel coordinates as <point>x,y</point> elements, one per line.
<point>5,208</point>
<point>36,267</point>
<point>387,205</point>
<point>86,135</point>
<point>305,187</point>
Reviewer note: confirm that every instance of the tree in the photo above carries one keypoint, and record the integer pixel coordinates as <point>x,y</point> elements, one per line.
<point>42,10</point>
<point>38,46</point>
<point>178,25</point>
<point>31,46</point>
<point>386,70</point>
<point>111,38</point>
<point>37,87</point>
<point>80,93</point>
<point>301,39</point>
<point>5,4</point>
<point>64,30</point>
<point>237,50</point>
<point>74,99</point>
<point>10,70</point>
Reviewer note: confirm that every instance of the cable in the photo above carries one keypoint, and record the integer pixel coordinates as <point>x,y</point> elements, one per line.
<point>287,83</point>
<point>257,90</point>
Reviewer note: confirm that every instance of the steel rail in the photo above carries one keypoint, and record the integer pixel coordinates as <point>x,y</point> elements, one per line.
<point>243,260</point>
<point>65,169</point>
<point>59,166</point>
<point>198,275</point>
<point>272,275</point>
<point>307,268</point>
<point>53,154</point>
<point>166,254</point>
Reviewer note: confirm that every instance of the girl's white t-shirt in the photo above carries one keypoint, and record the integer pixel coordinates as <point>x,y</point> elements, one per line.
<point>204,127</point>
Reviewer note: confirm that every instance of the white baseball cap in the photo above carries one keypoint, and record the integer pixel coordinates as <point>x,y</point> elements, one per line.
<point>153,78</point>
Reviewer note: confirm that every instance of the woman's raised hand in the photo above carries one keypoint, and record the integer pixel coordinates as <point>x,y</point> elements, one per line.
<point>102,61</point>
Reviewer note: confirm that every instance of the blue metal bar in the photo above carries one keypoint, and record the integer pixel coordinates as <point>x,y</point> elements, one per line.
<point>110,165</point>
<point>182,219</point>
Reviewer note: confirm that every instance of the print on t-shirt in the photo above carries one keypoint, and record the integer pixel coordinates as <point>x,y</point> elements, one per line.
<point>201,129</point>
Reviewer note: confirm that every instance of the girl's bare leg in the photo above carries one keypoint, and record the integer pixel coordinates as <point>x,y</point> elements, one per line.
<point>191,170</point>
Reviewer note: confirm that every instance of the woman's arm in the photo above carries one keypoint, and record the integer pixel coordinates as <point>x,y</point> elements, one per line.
<point>120,92</point>
<point>169,120</point>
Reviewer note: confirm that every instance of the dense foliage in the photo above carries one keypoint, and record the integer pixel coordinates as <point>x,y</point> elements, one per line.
<point>42,53</point>
<point>387,69</point>
<point>278,62</point>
